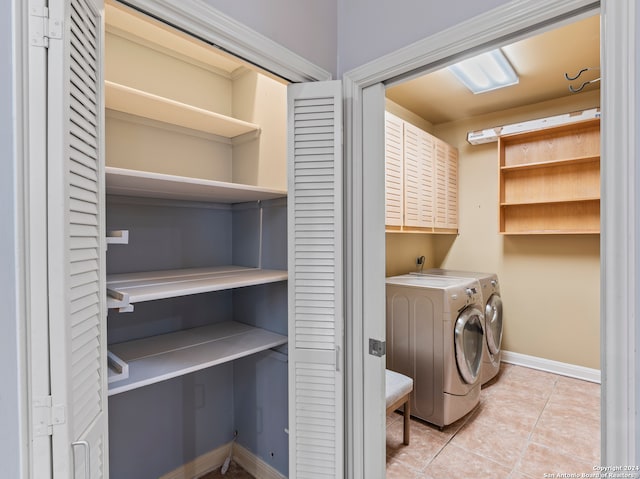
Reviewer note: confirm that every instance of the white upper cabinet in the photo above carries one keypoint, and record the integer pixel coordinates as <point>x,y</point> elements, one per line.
<point>421,180</point>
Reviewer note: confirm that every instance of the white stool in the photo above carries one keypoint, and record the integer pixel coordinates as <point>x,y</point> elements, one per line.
<point>398,392</point>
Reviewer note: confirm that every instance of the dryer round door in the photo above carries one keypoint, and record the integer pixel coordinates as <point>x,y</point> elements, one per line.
<point>493,323</point>
<point>468,338</point>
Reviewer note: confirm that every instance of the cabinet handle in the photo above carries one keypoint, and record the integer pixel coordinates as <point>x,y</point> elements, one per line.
<point>87,458</point>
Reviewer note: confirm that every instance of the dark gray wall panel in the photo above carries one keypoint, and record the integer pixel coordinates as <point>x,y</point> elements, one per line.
<point>167,315</point>
<point>155,429</point>
<point>261,407</point>
<point>168,237</point>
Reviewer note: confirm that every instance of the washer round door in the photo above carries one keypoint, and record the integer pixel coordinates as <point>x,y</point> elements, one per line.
<point>493,323</point>
<point>468,338</point>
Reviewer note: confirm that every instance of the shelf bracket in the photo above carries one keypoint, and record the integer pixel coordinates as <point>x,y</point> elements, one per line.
<point>118,300</point>
<point>117,237</point>
<point>119,367</point>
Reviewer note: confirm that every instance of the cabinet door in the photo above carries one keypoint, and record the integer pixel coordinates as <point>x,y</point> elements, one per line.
<point>412,176</point>
<point>76,239</point>
<point>440,184</point>
<point>445,185</point>
<point>418,178</point>
<point>316,398</point>
<point>452,187</point>
<point>394,170</point>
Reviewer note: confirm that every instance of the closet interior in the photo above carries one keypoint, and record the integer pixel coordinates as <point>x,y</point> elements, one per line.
<point>196,211</point>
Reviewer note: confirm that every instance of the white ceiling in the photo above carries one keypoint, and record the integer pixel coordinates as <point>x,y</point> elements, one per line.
<point>540,61</point>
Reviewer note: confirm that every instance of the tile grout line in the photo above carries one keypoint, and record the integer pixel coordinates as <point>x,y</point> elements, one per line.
<point>530,435</point>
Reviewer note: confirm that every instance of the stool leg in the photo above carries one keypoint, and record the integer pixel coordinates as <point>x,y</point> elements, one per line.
<point>407,419</point>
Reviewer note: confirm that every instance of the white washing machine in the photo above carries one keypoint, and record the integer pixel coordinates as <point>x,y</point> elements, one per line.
<point>492,305</point>
<point>435,336</point>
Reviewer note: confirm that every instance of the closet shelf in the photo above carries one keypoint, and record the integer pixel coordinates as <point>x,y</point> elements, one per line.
<point>121,181</point>
<point>141,103</point>
<point>158,358</point>
<point>551,163</point>
<point>551,201</point>
<point>130,288</point>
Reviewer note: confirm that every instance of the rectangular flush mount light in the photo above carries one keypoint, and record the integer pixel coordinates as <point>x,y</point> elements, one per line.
<point>485,72</point>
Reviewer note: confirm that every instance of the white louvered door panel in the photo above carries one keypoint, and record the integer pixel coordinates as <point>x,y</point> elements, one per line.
<point>452,187</point>
<point>394,174</point>
<point>440,184</point>
<point>76,241</point>
<point>316,401</point>
<point>412,178</point>
<point>425,199</point>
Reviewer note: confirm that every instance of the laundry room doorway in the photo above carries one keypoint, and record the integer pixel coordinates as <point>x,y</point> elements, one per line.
<point>365,87</point>
<point>464,203</point>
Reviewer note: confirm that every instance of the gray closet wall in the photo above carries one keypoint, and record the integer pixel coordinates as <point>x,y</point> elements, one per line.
<point>157,428</point>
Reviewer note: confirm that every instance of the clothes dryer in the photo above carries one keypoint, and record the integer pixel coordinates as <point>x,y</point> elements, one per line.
<point>492,305</point>
<point>435,336</point>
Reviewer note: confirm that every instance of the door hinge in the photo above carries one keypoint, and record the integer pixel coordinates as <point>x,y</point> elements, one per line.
<point>377,348</point>
<point>46,415</point>
<point>42,28</point>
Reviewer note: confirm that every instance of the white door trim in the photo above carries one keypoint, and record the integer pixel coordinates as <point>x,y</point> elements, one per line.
<point>211,25</point>
<point>620,270</point>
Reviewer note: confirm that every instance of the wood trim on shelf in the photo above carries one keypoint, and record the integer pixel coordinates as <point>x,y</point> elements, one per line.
<point>550,232</point>
<point>551,163</point>
<point>551,201</point>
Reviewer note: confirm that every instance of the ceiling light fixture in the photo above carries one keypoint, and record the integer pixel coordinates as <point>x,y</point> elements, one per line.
<point>485,72</point>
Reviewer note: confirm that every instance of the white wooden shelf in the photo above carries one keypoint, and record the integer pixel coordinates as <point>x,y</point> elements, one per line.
<point>141,103</point>
<point>130,288</point>
<point>158,358</point>
<point>145,184</point>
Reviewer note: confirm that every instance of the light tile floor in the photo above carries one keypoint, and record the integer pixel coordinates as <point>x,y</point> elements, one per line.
<point>529,423</point>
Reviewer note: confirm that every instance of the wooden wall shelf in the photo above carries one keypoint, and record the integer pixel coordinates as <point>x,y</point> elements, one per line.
<point>550,180</point>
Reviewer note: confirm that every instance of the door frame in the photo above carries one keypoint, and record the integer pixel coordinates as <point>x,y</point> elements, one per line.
<point>213,26</point>
<point>620,271</point>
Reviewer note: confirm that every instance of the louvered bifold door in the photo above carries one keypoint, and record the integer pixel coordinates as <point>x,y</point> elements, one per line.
<point>76,240</point>
<point>316,401</point>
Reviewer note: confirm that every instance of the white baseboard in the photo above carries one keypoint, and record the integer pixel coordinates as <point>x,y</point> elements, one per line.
<point>214,459</point>
<point>254,465</point>
<point>201,464</point>
<point>556,367</point>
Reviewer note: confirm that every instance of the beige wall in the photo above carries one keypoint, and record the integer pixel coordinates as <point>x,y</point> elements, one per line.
<point>263,160</point>
<point>549,283</point>
<point>143,144</point>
